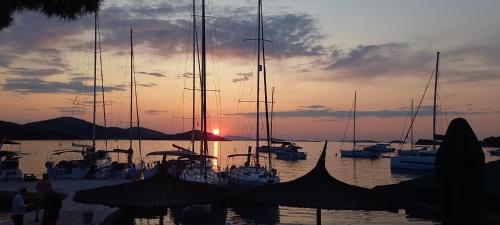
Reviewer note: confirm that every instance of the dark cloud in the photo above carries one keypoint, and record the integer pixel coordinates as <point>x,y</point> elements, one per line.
<point>325,112</point>
<point>32,85</point>
<point>148,85</point>
<point>154,74</point>
<point>393,60</point>
<point>314,107</point>
<point>155,111</point>
<point>242,77</point>
<point>29,72</point>
<point>68,110</point>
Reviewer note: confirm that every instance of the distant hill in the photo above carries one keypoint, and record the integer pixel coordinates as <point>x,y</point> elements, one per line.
<point>69,128</point>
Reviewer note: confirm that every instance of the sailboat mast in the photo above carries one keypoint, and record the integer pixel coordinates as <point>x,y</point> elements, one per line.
<point>259,68</point>
<point>203,84</point>
<point>131,86</point>
<point>268,134</point>
<point>354,141</point>
<point>272,113</point>
<point>194,77</point>
<point>95,80</point>
<point>411,124</point>
<point>435,103</point>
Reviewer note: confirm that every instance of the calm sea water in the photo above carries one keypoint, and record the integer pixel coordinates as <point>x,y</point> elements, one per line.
<point>361,172</point>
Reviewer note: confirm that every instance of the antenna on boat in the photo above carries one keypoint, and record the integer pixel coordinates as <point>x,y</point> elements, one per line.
<point>435,102</point>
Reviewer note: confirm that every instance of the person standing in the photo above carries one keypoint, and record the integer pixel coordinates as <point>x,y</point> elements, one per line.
<point>51,212</point>
<point>18,206</point>
<point>43,187</point>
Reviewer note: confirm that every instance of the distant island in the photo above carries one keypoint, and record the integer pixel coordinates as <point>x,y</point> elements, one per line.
<point>70,128</point>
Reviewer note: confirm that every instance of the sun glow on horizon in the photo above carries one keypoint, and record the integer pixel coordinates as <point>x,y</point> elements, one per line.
<point>216,131</point>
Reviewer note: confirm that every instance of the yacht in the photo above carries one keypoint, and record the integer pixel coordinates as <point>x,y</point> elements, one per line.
<point>420,159</point>
<point>79,164</point>
<point>174,161</point>
<point>357,152</point>
<point>9,161</point>
<point>284,151</point>
<point>252,173</point>
<point>380,148</point>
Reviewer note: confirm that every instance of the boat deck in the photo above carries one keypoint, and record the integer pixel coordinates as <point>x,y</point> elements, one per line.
<point>71,212</point>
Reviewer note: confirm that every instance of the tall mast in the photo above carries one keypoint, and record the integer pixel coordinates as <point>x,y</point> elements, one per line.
<point>95,79</point>
<point>411,124</point>
<point>259,68</point>
<point>272,112</point>
<point>354,142</point>
<point>131,86</point>
<point>203,83</point>
<point>194,76</point>
<point>268,135</point>
<point>435,103</point>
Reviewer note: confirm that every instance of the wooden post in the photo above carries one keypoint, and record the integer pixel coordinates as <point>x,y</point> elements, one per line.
<point>318,216</point>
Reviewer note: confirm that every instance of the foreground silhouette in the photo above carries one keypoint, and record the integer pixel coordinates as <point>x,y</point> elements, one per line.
<point>459,173</point>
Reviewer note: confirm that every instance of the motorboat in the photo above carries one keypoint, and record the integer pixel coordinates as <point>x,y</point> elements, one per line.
<point>80,163</point>
<point>380,148</point>
<point>9,161</point>
<point>284,151</point>
<point>359,153</point>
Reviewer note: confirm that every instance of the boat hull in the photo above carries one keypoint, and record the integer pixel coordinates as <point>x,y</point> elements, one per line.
<point>359,154</point>
<point>11,174</point>
<point>413,162</point>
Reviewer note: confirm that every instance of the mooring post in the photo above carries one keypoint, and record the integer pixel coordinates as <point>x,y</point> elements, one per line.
<point>318,216</point>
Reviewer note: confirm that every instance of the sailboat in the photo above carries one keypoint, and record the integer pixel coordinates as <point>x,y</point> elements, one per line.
<point>9,161</point>
<point>186,164</point>
<point>128,169</point>
<point>89,161</point>
<point>420,159</point>
<point>354,152</point>
<point>251,173</point>
<point>284,150</point>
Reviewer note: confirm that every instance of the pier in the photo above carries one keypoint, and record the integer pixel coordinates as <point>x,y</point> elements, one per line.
<point>71,211</point>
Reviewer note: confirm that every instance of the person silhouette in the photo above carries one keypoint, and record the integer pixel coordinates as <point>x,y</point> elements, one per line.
<point>459,173</point>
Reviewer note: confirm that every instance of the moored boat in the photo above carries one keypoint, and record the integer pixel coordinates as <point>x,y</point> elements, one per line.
<point>9,161</point>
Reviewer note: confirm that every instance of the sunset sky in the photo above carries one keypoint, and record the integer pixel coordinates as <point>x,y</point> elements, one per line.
<point>322,51</point>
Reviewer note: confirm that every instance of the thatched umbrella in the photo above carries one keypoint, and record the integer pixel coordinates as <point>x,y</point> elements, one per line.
<point>318,189</point>
<point>160,191</point>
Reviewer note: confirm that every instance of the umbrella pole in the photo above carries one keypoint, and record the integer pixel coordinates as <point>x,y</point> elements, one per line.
<point>318,216</point>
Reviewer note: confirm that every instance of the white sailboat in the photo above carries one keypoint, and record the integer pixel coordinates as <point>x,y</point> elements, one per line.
<point>89,162</point>
<point>252,173</point>
<point>128,169</point>
<point>356,152</point>
<point>185,164</point>
<point>424,159</point>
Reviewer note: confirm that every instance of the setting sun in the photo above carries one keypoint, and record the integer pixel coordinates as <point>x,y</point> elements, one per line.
<point>216,131</point>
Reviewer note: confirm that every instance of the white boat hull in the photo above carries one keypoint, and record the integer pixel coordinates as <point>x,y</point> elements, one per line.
<point>413,162</point>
